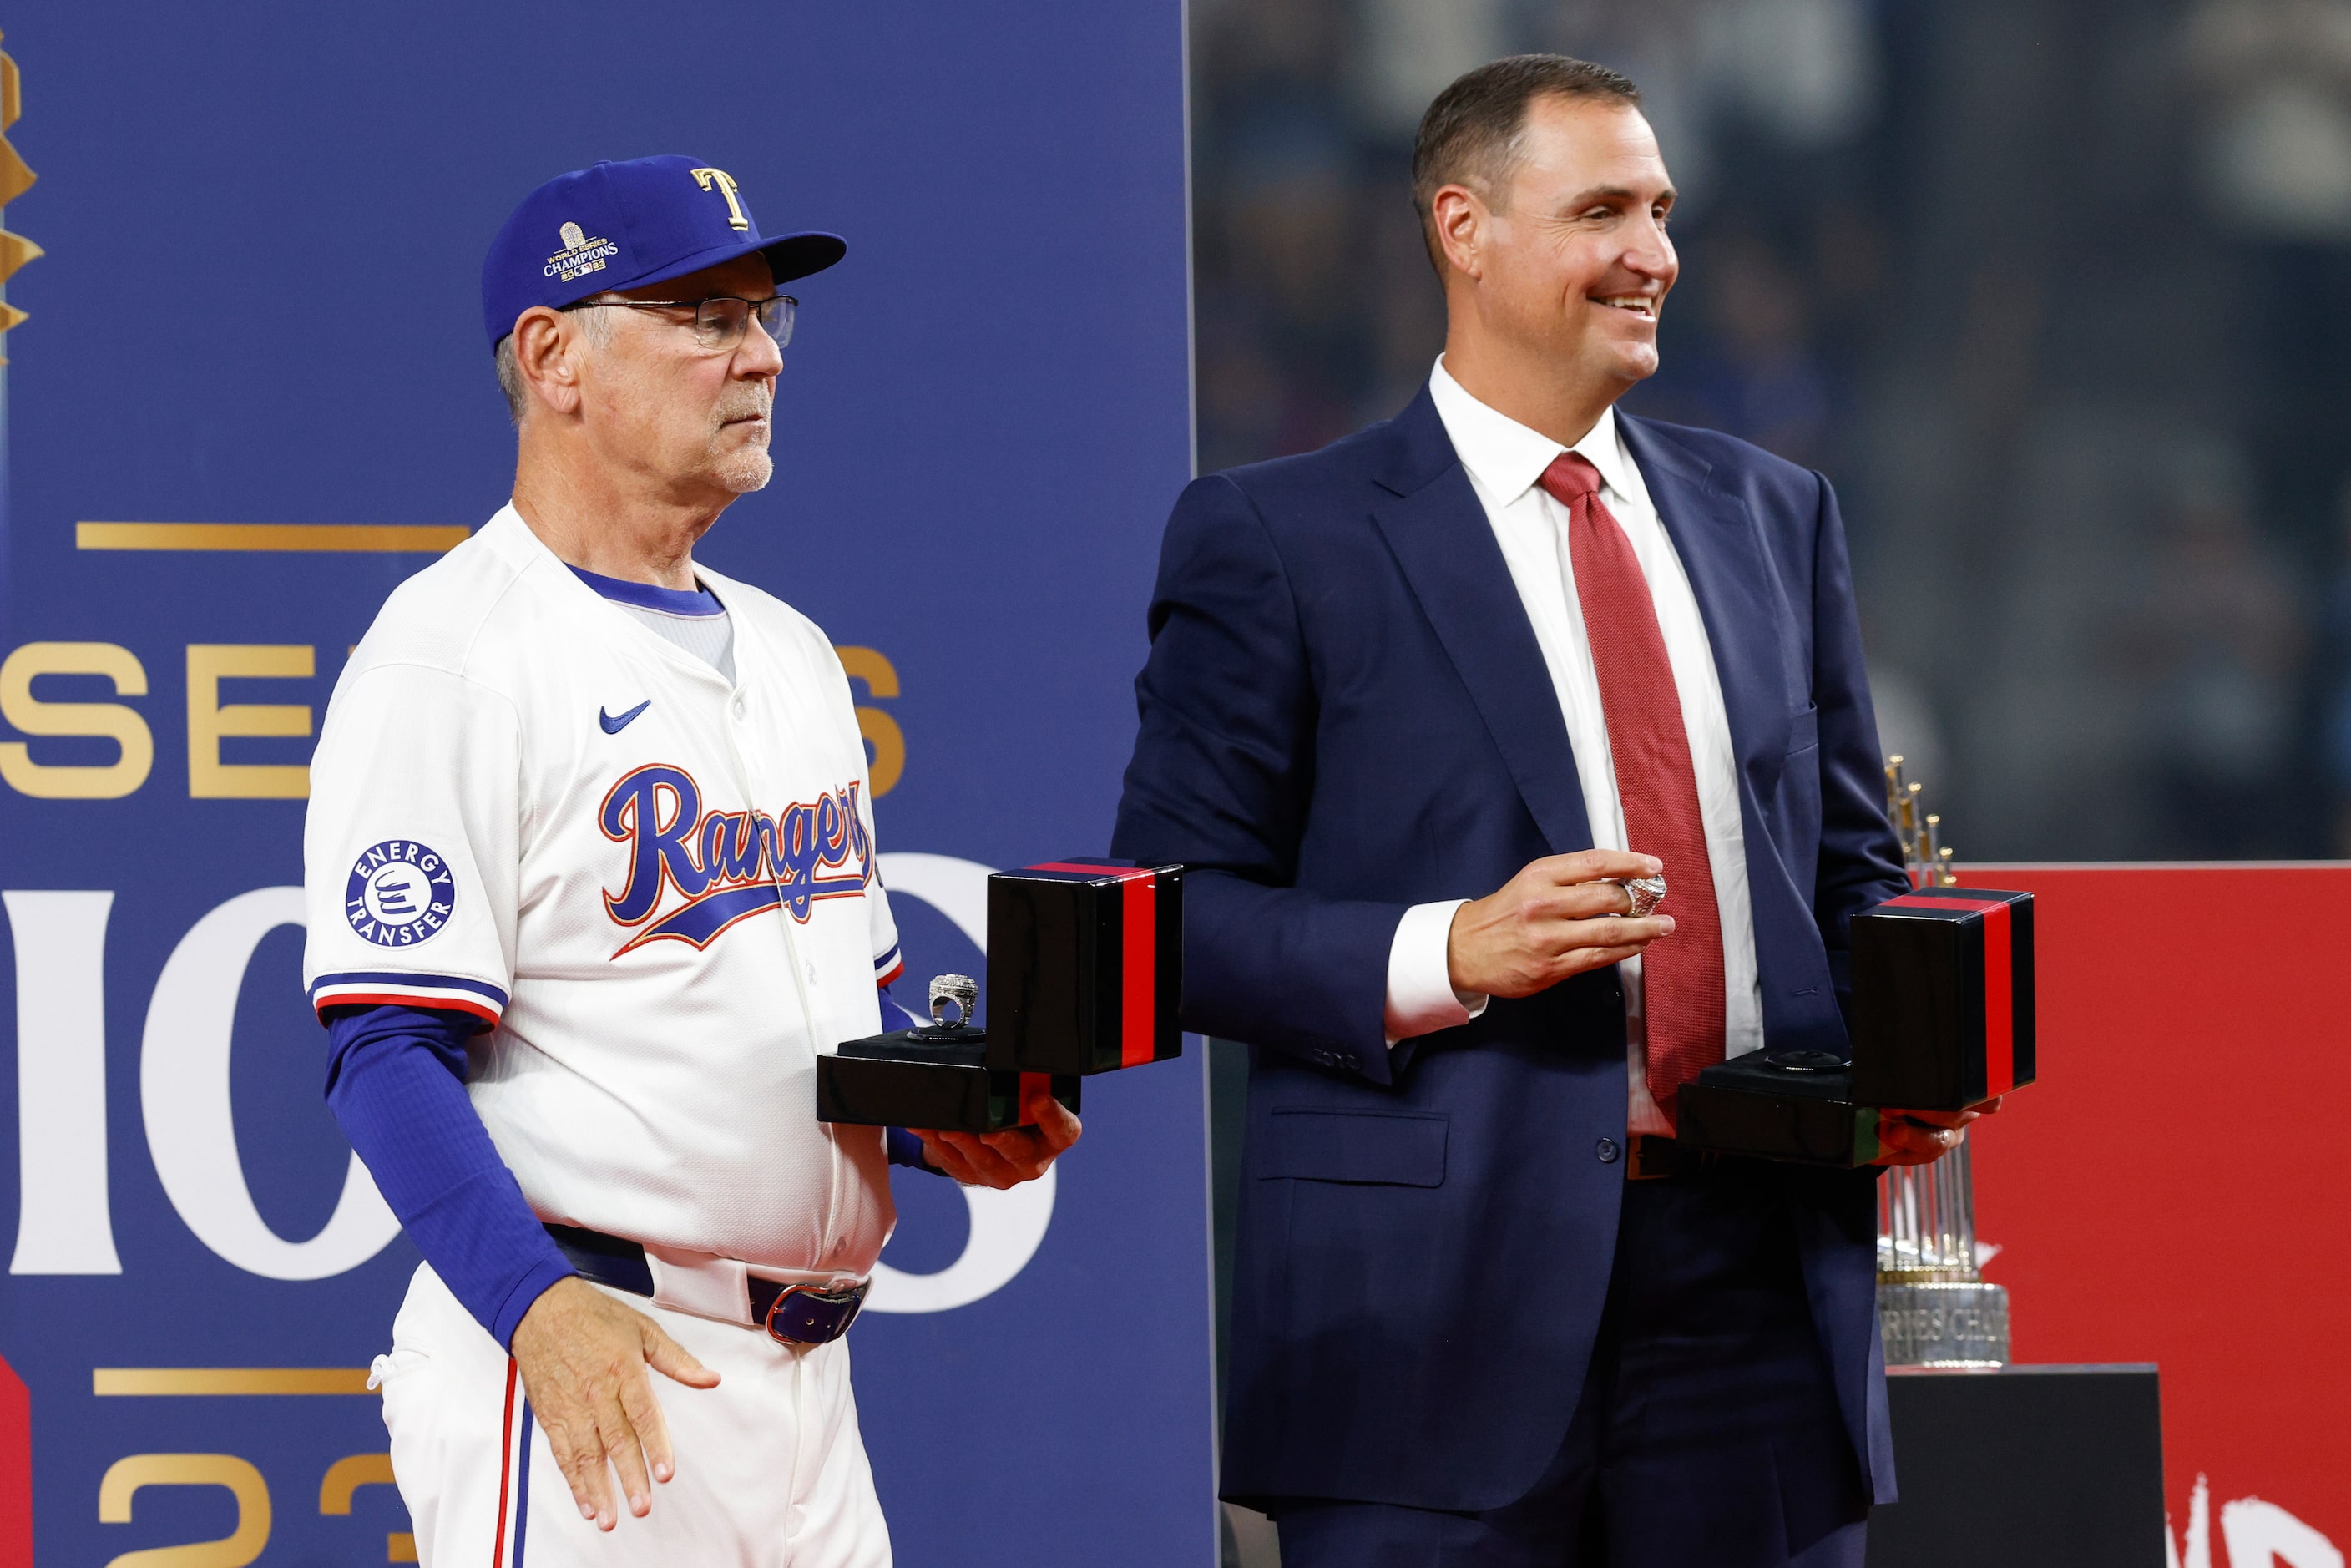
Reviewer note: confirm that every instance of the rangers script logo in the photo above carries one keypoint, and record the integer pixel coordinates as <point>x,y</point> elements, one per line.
<point>729,865</point>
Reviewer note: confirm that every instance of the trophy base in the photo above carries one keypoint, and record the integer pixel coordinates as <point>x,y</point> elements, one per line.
<point>1944,1323</point>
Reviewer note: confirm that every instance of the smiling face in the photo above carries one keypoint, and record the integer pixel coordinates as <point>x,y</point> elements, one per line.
<point>1567,264</point>
<point>658,403</point>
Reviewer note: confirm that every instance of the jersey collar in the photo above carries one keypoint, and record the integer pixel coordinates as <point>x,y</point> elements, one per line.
<point>511,538</point>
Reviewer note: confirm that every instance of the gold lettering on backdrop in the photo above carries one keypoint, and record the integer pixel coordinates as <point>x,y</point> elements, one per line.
<point>15,179</point>
<point>371,538</point>
<point>346,1476</point>
<point>125,1477</point>
<point>735,216</point>
<point>880,730</point>
<point>210,722</point>
<point>28,714</point>
<point>148,1382</point>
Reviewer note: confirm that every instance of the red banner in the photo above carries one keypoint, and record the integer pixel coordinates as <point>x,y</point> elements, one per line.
<point>2176,1188</point>
<point>15,1470</point>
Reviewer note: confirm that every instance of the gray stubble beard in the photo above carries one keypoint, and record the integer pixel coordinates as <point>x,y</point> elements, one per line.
<point>748,471</point>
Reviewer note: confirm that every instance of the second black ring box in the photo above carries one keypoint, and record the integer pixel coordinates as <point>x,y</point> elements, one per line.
<point>937,1079</point>
<point>1942,1020</point>
<point>1084,970</point>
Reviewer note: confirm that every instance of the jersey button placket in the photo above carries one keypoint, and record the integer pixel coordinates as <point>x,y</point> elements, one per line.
<point>799,972</point>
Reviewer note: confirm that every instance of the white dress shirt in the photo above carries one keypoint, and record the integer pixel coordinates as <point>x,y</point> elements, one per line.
<point>1504,460</point>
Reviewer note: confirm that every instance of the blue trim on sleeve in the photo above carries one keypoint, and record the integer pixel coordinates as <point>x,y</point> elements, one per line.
<point>894,1017</point>
<point>699,603</point>
<point>410,977</point>
<point>905,1149</point>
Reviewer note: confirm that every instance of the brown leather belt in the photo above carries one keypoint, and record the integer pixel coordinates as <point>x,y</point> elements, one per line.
<point>1659,1158</point>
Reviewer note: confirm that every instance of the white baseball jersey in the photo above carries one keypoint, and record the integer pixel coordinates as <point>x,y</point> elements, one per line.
<point>656,887</point>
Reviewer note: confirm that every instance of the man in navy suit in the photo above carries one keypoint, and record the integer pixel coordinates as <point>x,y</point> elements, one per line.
<point>1511,643</point>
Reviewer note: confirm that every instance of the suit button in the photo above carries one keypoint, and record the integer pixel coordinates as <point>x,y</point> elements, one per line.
<point>1607,1151</point>
<point>1350,1060</point>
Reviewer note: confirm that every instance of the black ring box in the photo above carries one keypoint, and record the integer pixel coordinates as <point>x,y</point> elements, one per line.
<point>1781,1104</point>
<point>1943,1012</point>
<point>1085,961</point>
<point>1084,971</point>
<point>1942,999</point>
<point>931,1078</point>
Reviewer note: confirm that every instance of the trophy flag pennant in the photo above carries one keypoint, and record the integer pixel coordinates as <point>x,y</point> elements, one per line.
<point>15,179</point>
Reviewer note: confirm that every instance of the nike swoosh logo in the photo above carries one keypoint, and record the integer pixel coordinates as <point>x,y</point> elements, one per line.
<point>615,725</point>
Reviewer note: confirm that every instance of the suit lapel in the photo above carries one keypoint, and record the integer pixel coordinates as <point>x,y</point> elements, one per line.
<point>1438,533</point>
<point>1738,597</point>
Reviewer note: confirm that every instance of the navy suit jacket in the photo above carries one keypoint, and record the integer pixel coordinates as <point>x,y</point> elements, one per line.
<point>1345,713</point>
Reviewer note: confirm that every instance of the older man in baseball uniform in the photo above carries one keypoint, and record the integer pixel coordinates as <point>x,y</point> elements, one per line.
<point>590,863</point>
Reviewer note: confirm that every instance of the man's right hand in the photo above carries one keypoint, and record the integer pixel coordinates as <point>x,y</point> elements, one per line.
<point>583,1357</point>
<point>1561,916</point>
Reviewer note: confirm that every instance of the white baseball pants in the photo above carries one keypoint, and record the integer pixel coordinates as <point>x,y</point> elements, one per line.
<point>771,1471</point>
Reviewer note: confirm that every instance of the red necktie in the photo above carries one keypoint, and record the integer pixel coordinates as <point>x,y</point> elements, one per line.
<point>1681,974</point>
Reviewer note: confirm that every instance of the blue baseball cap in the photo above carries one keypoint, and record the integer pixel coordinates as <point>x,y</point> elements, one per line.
<point>623,226</point>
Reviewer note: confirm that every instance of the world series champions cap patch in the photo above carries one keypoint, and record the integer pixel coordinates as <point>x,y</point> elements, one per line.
<point>627,225</point>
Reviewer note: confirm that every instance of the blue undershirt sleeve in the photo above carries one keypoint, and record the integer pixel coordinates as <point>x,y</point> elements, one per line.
<point>895,1017</point>
<point>905,1149</point>
<point>396,1085</point>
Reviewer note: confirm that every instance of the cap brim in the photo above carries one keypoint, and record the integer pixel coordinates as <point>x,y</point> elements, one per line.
<point>788,256</point>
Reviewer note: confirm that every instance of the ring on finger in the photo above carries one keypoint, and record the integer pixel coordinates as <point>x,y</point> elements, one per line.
<point>1646,892</point>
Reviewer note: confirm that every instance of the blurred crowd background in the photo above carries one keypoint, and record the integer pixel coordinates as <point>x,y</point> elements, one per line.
<point>2057,292</point>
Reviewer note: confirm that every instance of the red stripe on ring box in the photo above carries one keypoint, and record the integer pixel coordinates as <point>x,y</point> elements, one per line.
<point>1139,935</point>
<point>1107,872</point>
<point>1999,983</point>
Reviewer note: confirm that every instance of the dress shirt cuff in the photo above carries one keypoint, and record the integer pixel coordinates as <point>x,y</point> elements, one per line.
<point>1421,997</point>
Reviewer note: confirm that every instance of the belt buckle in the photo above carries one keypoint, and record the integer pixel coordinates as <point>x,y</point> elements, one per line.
<point>1653,1158</point>
<point>842,1306</point>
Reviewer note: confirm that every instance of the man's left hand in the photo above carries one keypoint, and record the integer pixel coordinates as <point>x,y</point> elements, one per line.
<point>1922,1137</point>
<point>1007,1158</point>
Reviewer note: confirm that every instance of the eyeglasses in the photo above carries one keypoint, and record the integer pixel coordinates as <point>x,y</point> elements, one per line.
<point>720,322</point>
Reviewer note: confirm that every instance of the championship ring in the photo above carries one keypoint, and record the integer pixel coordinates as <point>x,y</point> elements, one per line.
<point>960,990</point>
<point>1646,892</point>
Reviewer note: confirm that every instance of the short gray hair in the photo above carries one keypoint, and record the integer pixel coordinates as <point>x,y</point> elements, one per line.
<point>595,324</point>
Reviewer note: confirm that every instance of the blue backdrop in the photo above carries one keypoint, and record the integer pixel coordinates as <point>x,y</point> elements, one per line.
<point>263,226</point>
